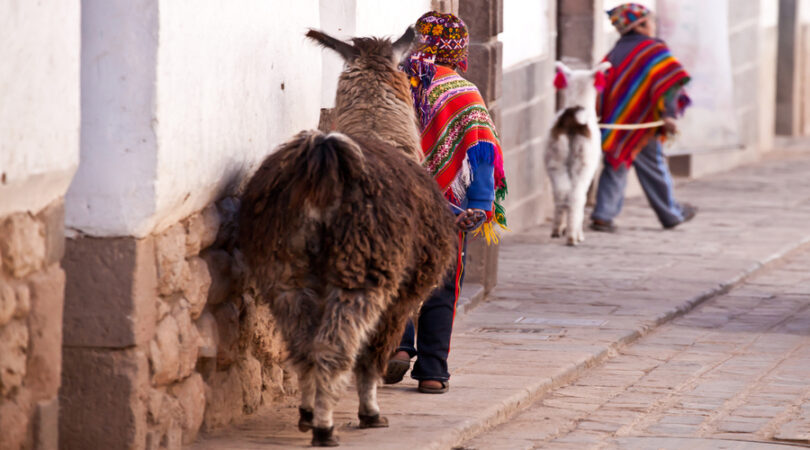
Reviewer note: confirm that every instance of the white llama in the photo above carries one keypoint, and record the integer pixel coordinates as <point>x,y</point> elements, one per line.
<point>573,148</point>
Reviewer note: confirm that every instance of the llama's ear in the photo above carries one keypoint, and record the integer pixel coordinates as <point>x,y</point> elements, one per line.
<point>403,44</point>
<point>602,66</point>
<point>344,49</point>
<point>561,79</point>
<point>561,67</point>
<point>599,81</point>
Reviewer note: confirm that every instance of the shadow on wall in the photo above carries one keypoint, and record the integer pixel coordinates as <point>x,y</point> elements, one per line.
<point>216,355</point>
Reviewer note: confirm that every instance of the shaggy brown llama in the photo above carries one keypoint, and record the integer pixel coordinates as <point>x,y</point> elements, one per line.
<point>345,234</point>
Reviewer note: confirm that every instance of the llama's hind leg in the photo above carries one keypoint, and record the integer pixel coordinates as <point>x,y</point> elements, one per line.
<point>306,383</point>
<point>576,213</point>
<point>347,320</point>
<point>558,228</point>
<point>295,307</point>
<point>367,376</point>
<point>555,159</point>
<point>330,367</point>
<point>583,167</point>
<point>560,186</point>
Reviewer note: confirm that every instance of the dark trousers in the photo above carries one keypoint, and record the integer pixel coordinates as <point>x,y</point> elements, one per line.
<point>653,174</point>
<point>435,324</point>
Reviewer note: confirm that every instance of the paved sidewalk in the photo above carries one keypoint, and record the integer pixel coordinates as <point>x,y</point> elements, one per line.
<point>559,310</point>
<point>734,370</point>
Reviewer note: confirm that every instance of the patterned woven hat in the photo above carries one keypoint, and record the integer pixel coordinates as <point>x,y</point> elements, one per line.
<point>443,37</point>
<point>625,16</point>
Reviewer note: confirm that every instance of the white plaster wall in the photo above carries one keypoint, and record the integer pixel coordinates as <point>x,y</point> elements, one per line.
<point>39,102</point>
<point>769,12</point>
<point>113,193</point>
<point>232,84</point>
<point>525,31</point>
<point>388,17</point>
<point>767,51</point>
<point>220,103</point>
<point>349,18</point>
<point>338,19</point>
<point>183,98</point>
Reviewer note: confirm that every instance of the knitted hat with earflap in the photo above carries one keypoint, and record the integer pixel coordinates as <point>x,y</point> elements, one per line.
<point>625,17</point>
<point>441,39</point>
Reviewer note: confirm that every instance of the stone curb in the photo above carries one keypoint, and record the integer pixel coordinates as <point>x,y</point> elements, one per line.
<point>503,410</point>
<point>472,295</point>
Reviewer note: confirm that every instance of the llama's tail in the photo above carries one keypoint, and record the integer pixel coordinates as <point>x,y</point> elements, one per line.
<point>325,162</point>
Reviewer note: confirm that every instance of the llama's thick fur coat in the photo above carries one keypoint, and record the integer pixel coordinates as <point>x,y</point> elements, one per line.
<point>572,152</point>
<point>345,234</point>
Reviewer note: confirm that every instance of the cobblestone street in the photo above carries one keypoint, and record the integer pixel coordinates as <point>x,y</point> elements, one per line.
<point>736,368</point>
<point>573,335</point>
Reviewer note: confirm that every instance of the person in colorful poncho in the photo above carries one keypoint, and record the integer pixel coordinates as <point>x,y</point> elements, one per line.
<point>643,88</point>
<point>463,154</point>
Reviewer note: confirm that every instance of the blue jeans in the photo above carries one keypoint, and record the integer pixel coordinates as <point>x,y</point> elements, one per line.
<point>436,325</point>
<point>653,174</point>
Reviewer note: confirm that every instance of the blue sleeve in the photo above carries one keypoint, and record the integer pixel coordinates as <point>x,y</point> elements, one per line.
<point>481,192</point>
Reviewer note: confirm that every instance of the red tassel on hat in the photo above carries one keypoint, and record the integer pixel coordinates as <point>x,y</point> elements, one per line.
<point>599,81</point>
<point>559,81</point>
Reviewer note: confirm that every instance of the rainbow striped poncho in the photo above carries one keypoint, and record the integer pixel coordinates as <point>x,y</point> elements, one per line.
<point>636,91</point>
<point>455,119</point>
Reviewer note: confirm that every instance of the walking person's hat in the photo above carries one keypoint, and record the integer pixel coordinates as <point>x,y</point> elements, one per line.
<point>443,37</point>
<point>626,16</point>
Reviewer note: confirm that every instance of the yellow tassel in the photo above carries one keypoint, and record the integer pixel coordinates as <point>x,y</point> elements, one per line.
<point>489,232</point>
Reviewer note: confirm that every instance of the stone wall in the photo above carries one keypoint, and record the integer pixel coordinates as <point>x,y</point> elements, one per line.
<point>484,20</point>
<point>528,105</point>
<point>793,94</point>
<point>744,35</point>
<point>215,355</point>
<point>180,347</point>
<point>753,46</point>
<point>31,298</point>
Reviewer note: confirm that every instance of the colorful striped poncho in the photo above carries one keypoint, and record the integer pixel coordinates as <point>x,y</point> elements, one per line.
<point>637,88</point>
<point>457,119</point>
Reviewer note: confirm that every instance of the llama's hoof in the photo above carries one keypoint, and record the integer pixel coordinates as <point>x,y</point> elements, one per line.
<point>324,437</point>
<point>555,234</point>
<point>375,421</point>
<point>305,419</point>
<point>571,241</point>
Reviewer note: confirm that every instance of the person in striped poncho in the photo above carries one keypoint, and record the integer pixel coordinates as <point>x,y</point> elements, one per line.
<point>463,153</point>
<point>643,89</point>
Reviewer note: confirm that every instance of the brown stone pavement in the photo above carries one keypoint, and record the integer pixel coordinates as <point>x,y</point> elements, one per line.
<point>733,373</point>
<point>559,310</point>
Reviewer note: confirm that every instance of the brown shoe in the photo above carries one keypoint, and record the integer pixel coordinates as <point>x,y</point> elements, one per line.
<point>396,368</point>
<point>445,386</point>
<point>605,226</point>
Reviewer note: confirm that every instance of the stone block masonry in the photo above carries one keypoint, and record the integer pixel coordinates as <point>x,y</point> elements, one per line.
<point>161,339</point>
<point>484,21</point>
<point>31,299</point>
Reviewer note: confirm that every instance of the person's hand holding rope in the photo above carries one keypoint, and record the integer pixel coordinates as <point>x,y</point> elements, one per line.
<point>670,125</point>
<point>470,219</point>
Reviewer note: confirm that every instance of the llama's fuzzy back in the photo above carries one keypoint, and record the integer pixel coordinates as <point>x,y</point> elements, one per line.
<point>376,223</point>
